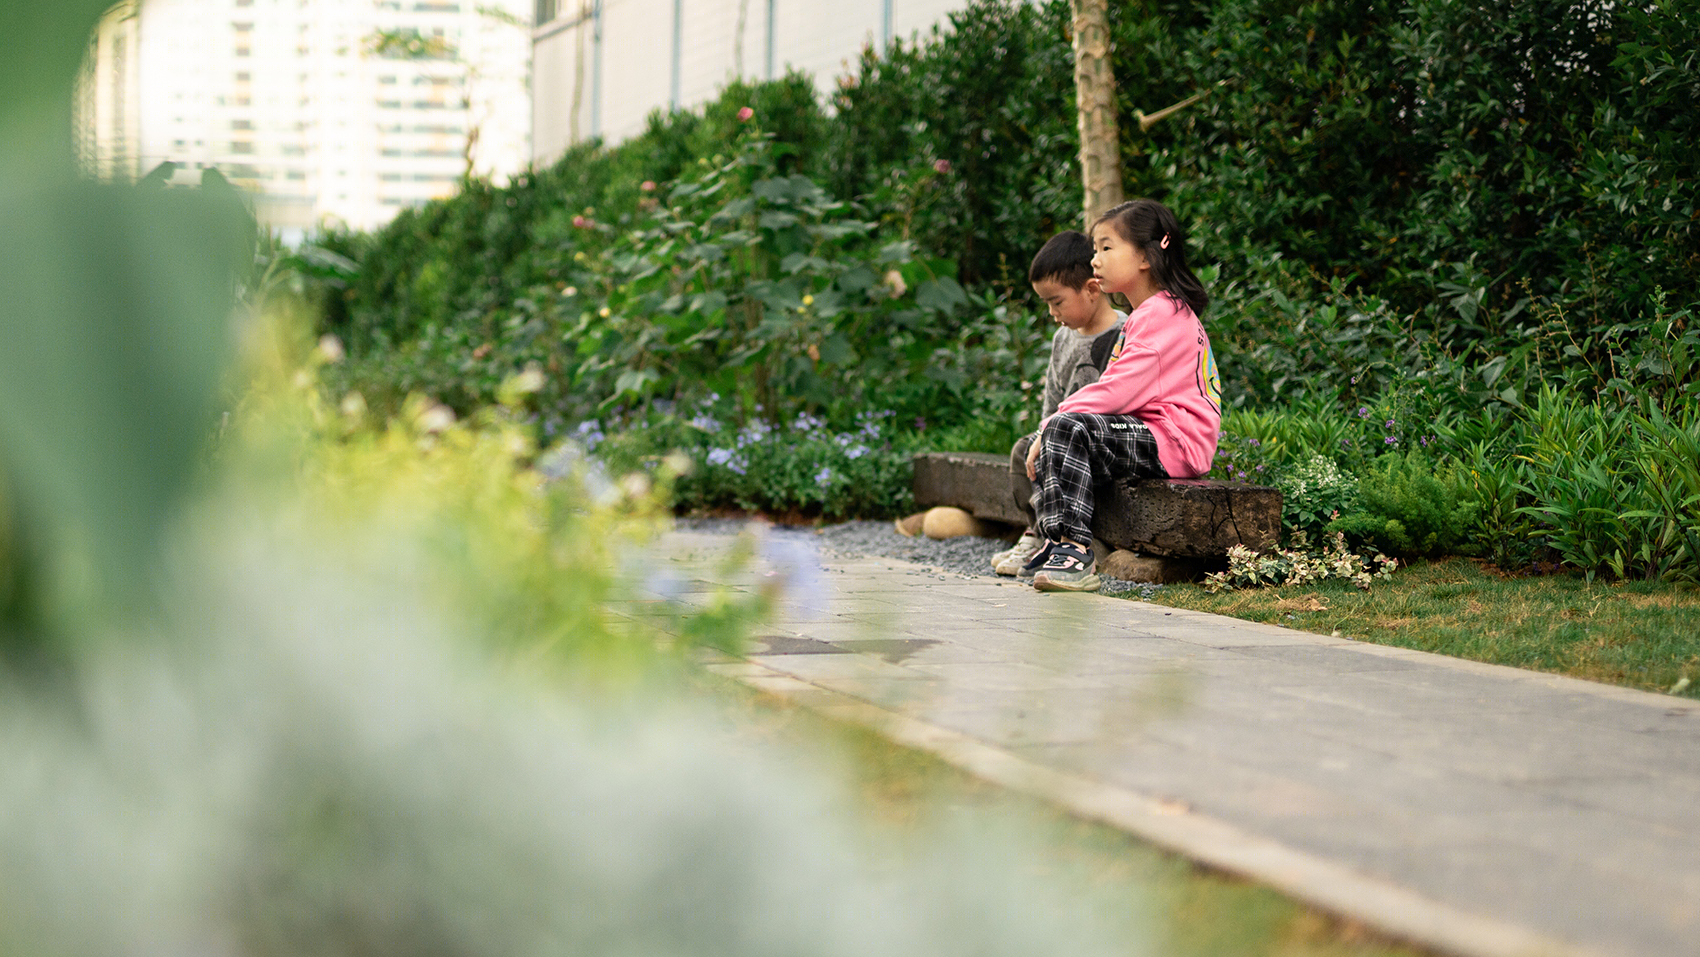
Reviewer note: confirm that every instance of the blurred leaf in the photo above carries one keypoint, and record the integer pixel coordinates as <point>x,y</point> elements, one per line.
<point>942,295</point>
<point>41,46</point>
<point>116,327</point>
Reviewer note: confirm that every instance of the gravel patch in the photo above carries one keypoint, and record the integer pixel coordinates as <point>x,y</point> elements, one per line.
<point>968,555</point>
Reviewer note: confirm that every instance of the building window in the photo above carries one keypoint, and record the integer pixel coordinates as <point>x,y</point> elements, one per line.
<point>546,11</point>
<point>241,124</point>
<point>421,154</point>
<point>241,146</point>
<point>242,77</point>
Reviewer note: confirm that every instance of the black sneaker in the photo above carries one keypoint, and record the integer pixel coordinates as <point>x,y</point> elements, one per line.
<point>1067,568</point>
<point>1025,572</point>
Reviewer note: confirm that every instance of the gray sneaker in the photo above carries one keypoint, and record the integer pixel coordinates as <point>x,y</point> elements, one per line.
<point>1010,560</point>
<point>1067,568</point>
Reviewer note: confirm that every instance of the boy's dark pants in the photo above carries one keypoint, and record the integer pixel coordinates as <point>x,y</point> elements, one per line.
<point>1019,485</point>
<point>1080,452</point>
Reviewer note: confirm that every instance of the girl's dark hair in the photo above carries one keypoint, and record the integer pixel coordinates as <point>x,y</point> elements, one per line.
<point>1145,222</point>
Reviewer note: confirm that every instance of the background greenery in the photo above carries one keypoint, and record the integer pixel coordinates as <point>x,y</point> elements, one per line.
<point>1461,233</point>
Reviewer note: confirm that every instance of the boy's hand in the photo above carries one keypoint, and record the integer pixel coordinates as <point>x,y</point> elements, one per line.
<point>1033,460</point>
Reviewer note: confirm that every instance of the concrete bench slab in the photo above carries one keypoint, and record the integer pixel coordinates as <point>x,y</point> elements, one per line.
<point>1181,518</point>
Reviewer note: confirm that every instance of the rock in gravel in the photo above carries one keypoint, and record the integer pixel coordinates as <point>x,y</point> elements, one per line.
<point>1133,567</point>
<point>950,522</point>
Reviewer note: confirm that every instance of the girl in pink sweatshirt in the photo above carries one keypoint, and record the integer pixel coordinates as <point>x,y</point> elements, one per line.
<point>1154,413</point>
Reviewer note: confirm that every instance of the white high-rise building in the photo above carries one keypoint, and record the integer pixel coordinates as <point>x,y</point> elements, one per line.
<point>332,110</point>
<point>107,126</point>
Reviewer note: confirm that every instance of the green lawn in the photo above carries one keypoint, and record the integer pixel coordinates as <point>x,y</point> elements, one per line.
<point>1193,912</point>
<point>1638,634</point>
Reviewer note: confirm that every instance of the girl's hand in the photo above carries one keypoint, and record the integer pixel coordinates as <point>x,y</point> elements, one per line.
<point>1033,459</point>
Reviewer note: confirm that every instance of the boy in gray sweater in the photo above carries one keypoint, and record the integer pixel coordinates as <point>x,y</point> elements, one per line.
<point>1061,275</point>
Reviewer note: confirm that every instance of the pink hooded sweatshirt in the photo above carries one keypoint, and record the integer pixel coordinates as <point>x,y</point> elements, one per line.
<point>1164,373</point>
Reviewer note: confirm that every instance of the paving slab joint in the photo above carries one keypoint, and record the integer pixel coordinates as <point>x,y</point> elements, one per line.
<point>1326,885</point>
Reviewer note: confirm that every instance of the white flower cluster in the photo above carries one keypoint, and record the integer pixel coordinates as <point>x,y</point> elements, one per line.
<point>1299,565</point>
<point>1317,475</point>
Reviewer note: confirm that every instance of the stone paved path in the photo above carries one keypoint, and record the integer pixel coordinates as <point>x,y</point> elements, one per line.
<point>1475,808</point>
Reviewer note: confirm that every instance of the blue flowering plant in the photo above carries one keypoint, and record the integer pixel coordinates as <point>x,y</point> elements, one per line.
<point>805,467</point>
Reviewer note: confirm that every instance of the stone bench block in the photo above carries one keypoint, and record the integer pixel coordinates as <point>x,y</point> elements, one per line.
<point>1184,518</point>
<point>1188,518</point>
<point>977,482</point>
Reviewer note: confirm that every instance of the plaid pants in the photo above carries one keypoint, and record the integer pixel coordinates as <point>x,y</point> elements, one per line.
<point>1079,452</point>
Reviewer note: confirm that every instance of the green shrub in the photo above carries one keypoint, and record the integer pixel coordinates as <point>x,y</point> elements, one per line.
<point>760,287</point>
<point>989,95</point>
<point>467,260</point>
<point>1492,481</point>
<point>1314,493</point>
<point>1669,458</point>
<point>1614,490</point>
<point>1404,508</point>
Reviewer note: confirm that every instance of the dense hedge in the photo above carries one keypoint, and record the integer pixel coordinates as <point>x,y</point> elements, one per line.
<point>1468,176</point>
<point>1455,189</point>
<point>466,259</point>
<point>1409,215</point>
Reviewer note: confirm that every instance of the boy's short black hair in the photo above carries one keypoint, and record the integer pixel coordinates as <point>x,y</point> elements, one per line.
<point>1065,258</point>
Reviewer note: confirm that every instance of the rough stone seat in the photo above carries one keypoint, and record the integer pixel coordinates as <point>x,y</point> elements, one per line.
<point>1173,518</point>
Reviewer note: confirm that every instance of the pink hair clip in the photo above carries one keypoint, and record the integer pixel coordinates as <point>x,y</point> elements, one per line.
<point>1165,243</point>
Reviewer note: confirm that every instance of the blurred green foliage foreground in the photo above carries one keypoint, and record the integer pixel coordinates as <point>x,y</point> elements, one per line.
<point>281,679</point>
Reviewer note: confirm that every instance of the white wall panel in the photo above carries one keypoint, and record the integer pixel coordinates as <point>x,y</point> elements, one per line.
<point>910,17</point>
<point>554,73</point>
<point>637,44</point>
<point>823,38</point>
<point>818,37</point>
<point>708,57</point>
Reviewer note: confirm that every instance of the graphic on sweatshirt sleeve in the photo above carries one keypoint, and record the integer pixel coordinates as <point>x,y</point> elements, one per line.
<point>1209,382</point>
<point>1116,350</point>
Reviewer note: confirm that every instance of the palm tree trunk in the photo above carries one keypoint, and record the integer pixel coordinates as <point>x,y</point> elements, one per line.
<point>1095,93</point>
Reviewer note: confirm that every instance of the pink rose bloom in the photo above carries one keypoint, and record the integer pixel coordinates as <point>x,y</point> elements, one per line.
<point>744,114</point>
<point>941,166</point>
<point>647,186</point>
<point>581,222</point>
